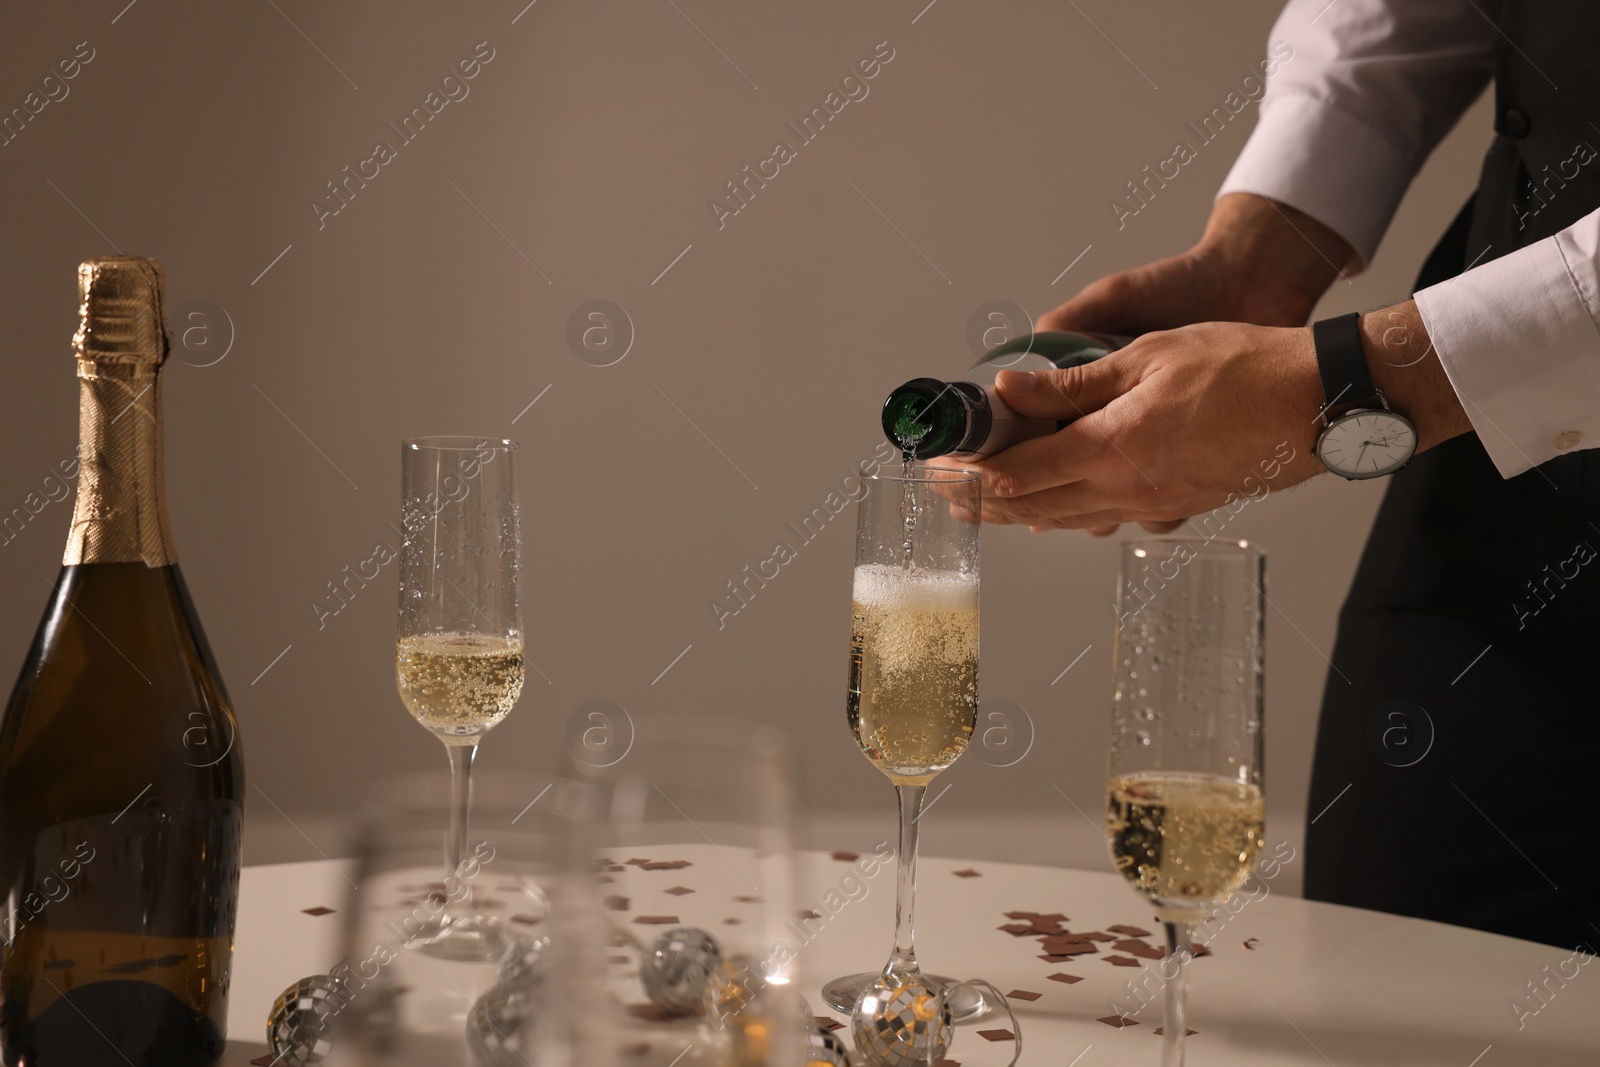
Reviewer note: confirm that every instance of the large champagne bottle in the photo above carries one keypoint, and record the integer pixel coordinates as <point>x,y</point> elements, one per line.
<point>927,418</point>
<point>121,777</point>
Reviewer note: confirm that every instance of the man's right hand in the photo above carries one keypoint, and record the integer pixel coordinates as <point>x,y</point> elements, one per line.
<point>1258,262</point>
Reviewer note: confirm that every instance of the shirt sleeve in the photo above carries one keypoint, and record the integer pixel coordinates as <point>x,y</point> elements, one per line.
<point>1519,339</point>
<point>1358,93</point>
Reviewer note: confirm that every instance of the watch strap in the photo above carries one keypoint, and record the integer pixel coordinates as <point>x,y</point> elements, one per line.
<point>1342,364</point>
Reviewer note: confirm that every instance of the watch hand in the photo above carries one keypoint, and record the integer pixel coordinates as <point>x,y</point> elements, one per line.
<point>1363,453</point>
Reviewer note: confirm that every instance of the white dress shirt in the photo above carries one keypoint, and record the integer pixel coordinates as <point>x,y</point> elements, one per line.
<point>1346,122</point>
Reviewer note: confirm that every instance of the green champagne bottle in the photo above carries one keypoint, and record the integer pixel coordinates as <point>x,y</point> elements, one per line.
<point>121,775</point>
<point>927,418</point>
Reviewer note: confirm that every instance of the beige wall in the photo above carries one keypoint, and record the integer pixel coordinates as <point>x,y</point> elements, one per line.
<point>978,167</point>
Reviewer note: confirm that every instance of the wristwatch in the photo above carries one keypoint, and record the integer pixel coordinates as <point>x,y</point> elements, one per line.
<point>1362,437</point>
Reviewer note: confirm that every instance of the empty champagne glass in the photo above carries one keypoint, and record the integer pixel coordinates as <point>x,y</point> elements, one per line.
<point>401,1004</point>
<point>458,659</point>
<point>1185,809</point>
<point>913,698</point>
<point>693,857</point>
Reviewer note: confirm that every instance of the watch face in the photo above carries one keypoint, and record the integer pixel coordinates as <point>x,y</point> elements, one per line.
<point>1367,444</point>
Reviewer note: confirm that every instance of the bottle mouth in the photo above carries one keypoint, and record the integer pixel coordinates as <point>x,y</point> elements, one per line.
<point>918,415</point>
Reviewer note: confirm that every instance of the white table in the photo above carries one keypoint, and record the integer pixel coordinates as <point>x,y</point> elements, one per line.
<point>1319,985</point>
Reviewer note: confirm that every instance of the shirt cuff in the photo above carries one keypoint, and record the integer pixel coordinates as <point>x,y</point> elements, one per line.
<point>1320,159</point>
<point>1518,340</point>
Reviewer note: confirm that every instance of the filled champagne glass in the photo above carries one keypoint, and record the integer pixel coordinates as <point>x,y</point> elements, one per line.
<point>913,697</point>
<point>1185,810</point>
<point>458,661</point>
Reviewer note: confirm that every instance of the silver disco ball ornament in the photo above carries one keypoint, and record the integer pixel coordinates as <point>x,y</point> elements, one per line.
<point>823,1049</point>
<point>500,1027</point>
<point>523,965</point>
<point>299,1029</point>
<point>678,969</point>
<point>898,1022</point>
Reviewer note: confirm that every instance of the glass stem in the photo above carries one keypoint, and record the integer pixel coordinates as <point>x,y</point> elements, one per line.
<point>903,961</point>
<point>1173,1022</point>
<point>455,846</point>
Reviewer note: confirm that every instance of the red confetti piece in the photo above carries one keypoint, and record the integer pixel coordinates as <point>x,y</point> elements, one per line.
<point>665,865</point>
<point>968,873</point>
<point>1048,958</point>
<point>1200,950</point>
<point>618,959</point>
<point>1097,935</point>
<point>656,920</point>
<point>636,862</point>
<point>1018,929</point>
<point>828,1024</point>
<point>679,890</point>
<point>526,920</point>
<point>1122,961</point>
<point>641,1049</point>
<point>1069,979</point>
<point>1187,1033</point>
<point>616,903</point>
<point>616,867</point>
<point>1128,931</point>
<point>652,1012</point>
<point>1139,948</point>
<point>997,1035</point>
<point>748,900</point>
<point>732,922</point>
<point>1023,994</point>
<point>318,911</point>
<point>1064,946</point>
<point>1119,1021</point>
<point>846,857</point>
<point>1249,943</point>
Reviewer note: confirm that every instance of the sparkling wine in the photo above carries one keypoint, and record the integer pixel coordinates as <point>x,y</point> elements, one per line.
<point>1186,841</point>
<point>459,685</point>
<point>913,669</point>
<point>121,773</point>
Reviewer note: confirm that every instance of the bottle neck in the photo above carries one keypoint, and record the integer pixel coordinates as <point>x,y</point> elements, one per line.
<point>121,511</point>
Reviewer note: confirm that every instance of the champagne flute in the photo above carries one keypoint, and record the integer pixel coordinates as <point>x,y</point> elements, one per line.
<point>400,1005</point>
<point>717,794</point>
<point>459,659</point>
<point>913,698</point>
<point>1185,809</point>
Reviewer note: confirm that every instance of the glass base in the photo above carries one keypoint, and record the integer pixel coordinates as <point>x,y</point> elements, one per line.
<point>464,938</point>
<point>841,994</point>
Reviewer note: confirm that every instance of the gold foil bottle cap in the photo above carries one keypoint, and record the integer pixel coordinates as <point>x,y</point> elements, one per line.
<point>121,324</point>
<point>121,512</point>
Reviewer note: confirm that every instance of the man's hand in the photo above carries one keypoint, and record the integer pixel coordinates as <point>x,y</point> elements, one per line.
<point>1257,262</point>
<point>1177,422</point>
<point>1166,428</point>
